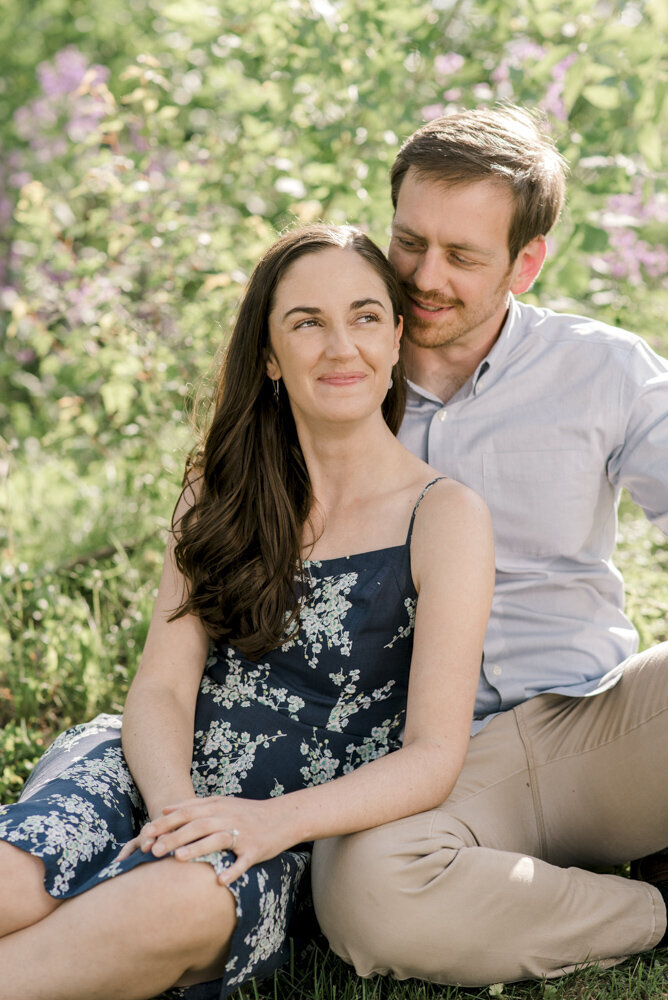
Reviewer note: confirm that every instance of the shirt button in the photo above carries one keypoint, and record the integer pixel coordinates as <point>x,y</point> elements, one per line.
<point>496,670</point>
<point>442,414</point>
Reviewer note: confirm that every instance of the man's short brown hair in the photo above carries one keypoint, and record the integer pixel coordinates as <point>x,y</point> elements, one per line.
<point>502,143</point>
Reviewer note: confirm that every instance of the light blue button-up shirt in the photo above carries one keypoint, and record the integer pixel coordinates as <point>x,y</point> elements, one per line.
<point>561,414</point>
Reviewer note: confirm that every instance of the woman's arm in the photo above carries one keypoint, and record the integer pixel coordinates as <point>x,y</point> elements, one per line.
<point>158,720</point>
<point>453,569</point>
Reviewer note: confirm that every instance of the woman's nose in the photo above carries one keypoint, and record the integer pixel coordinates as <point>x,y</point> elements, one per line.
<point>340,342</point>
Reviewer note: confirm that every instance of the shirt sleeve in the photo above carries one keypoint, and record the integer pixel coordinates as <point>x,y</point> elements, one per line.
<point>640,462</point>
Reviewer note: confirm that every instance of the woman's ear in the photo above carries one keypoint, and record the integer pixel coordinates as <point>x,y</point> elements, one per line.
<point>398,330</point>
<point>272,369</point>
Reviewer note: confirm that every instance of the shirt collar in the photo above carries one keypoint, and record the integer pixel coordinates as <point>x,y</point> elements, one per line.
<point>492,363</point>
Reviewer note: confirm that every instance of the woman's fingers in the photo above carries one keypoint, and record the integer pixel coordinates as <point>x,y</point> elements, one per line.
<point>178,815</point>
<point>192,833</point>
<point>191,829</point>
<point>235,871</point>
<point>187,802</point>
<point>217,841</point>
<point>128,849</point>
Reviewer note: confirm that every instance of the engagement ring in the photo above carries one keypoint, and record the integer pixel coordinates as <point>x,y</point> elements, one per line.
<point>233,834</point>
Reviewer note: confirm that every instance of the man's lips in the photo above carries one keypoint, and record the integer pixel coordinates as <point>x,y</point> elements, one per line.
<point>425,308</point>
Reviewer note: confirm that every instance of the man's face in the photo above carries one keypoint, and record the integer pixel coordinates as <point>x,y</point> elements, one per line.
<point>450,247</point>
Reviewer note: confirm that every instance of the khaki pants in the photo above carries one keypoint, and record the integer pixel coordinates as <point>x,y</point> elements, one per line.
<point>491,886</point>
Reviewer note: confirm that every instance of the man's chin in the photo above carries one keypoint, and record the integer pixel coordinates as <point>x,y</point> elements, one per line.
<point>423,334</point>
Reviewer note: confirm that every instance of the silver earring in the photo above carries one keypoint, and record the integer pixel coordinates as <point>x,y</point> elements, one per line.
<point>276,389</point>
<point>391,383</point>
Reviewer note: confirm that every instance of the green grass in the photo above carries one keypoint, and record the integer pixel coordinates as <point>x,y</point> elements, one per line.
<point>324,977</point>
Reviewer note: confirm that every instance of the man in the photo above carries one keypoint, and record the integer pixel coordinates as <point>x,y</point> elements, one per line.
<point>547,416</point>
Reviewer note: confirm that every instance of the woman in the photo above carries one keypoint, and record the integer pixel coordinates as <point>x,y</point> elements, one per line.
<point>313,562</point>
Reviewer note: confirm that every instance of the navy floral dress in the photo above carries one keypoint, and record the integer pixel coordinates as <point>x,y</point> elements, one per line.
<point>328,700</point>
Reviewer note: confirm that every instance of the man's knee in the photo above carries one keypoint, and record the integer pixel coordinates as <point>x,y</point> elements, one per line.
<point>372,892</point>
<point>348,875</point>
<point>650,667</point>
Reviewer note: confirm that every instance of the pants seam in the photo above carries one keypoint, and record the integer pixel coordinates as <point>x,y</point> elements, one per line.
<point>657,931</point>
<point>533,783</point>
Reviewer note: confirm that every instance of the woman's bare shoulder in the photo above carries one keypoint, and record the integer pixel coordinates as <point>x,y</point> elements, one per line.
<point>448,513</point>
<point>448,495</point>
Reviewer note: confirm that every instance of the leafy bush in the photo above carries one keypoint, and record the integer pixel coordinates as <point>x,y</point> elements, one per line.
<point>151,152</point>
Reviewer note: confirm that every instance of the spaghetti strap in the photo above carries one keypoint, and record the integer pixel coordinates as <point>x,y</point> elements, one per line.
<point>417,504</point>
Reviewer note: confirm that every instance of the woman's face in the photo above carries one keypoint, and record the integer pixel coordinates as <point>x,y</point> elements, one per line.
<point>333,340</point>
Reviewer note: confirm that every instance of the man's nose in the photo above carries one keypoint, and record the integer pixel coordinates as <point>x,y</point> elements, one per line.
<point>431,272</point>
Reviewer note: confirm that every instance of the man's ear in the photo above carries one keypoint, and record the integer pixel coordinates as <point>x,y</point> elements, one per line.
<point>528,264</point>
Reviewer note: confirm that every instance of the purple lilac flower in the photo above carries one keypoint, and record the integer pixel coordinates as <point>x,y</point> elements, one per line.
<point>634,205</point>
<point>631,257</point>
<point>448,64</point>
<point>501,73</point>
<point>6,211</point>
<point>64,74</point>
<point>84,302</point>
<point>553,102</point>
<point>64,105</point>
<point>522,50</point>
<point>431,111</point>
<point>518,53</point>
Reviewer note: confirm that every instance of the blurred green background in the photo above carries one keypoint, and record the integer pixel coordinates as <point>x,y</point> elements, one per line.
<point>149,152</point>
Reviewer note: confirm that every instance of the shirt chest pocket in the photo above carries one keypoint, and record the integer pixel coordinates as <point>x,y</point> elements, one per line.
<point>543,503</point>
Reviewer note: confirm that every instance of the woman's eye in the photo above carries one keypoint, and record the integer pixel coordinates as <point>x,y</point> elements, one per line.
<point>305,323</point>
<point>368,318</point>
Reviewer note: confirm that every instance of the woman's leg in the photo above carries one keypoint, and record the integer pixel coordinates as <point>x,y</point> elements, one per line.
<point>24,898</point>
<point>159,925</point>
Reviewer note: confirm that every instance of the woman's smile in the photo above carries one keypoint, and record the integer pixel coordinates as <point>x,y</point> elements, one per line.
<point>342,378</point>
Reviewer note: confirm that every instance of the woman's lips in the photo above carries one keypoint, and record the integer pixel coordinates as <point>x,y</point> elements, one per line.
<point>342,378</point>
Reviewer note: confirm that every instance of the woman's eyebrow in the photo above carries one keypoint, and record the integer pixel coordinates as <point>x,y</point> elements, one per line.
<point>311,310</point>
<point>360,303</point>
<point>314,310</point>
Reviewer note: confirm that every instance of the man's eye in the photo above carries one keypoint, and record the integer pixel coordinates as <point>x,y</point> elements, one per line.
<point>407,244</point>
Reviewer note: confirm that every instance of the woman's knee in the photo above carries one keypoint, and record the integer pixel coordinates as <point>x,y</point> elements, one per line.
<point>25,901</point>
<point>195,914</point>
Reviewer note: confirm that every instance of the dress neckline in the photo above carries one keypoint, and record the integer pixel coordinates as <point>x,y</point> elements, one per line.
<point>387,548</point>
<point>355,555</point>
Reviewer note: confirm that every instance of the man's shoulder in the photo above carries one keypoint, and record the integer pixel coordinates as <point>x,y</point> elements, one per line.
<point>563,327</point>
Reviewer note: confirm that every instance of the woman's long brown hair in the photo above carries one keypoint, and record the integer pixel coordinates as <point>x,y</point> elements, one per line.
<point>239,542</point>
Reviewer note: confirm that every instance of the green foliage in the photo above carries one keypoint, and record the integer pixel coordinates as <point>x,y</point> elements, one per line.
<point>150,152</point>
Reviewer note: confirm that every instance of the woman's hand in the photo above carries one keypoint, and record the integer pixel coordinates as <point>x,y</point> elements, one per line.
<point>249,828</point>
